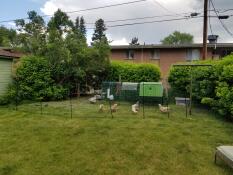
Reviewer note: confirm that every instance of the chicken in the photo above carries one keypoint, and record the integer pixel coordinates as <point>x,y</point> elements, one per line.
<point>114,107</point>
<point>135,108</point>
<point>164,109</point>
<point>101,108</point>
<point>92,100</point>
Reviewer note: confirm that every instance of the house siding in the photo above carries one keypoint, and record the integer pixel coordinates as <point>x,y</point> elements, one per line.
<point>5,74</point>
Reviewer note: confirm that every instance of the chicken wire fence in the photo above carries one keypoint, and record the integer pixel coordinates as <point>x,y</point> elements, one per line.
<point>122,93</point>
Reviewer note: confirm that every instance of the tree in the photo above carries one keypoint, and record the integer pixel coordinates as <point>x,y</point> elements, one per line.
<point>178,38</point>
<point>32,35</point>
<point>134,41</point>
<point>99,33</point>
<point>77,23</point>
<point>7,37</point>
<point>61,22</point>
<point>63,45</point>
<point>82,26</point>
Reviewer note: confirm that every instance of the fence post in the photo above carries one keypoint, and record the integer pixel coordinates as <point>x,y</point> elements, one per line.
<point>41,106</point>
<point>71,107</point>
<point>16,95</point>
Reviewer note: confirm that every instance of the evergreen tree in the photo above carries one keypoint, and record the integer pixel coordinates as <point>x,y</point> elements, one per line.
<point>99,33</point>
<point>77,23</point>
<point>82,26</point>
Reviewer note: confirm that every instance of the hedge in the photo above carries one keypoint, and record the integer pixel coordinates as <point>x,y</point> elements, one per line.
<point>33,80</point>
<point>212,86</point>
<point>130,72</point>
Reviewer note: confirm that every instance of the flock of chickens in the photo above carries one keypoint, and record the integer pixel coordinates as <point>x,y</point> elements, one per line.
<point>135,108</point>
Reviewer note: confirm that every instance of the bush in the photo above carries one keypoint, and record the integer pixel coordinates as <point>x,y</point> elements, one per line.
<point>33,80</point>
<point>130,72</point>
<point>212,86</point>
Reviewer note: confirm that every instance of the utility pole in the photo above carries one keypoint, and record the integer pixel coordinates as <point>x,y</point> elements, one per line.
<point>205,28</point>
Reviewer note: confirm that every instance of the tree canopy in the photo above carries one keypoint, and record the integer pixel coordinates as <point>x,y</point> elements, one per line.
<point>32,35</point>
<point>177,38</point>
<point>63,44</point>
<point>7,37</point>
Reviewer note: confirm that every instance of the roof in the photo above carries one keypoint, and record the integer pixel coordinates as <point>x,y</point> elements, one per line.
<point>9,53</point>
<point>162,46</point>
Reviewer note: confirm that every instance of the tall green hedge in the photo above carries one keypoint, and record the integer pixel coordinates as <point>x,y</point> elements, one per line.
<point>130,72</point>
<point>33,81</point>
<point>212,86</point>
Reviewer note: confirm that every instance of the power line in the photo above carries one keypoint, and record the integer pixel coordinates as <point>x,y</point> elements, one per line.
<point>224,10</point>
<point>152,17</point>
<point>210,26</point>
<point>163,7</point>
<point>222,23</point>
<point>84,10</point>
<point>148,22</point>
<point>140,18</point>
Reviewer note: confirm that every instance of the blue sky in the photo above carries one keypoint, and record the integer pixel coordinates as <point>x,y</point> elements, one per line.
<point>11,9</point>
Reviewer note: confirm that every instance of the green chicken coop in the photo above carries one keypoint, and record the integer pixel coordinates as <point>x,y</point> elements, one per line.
<point>151,89</point>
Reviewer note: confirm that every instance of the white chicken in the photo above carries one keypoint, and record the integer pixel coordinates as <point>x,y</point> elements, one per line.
<point>135,108</point>
<point>164,109</point>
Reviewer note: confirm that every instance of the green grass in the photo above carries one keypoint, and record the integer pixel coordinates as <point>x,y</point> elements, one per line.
<point>94,144</point>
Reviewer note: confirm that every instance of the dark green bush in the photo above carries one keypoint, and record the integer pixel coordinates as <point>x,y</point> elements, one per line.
<point>130,72</point>
<point>212,86</point>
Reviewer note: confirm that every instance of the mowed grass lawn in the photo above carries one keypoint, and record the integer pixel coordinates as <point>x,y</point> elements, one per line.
<point>92,143</point>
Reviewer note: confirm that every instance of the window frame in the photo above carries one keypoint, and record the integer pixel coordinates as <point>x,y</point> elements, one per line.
<point>153,53</point>
<point>130,54</point>
<point>190,54</point>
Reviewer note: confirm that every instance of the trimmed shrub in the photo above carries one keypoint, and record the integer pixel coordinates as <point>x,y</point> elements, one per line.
<point>212,86</point>
<point>130,72</point>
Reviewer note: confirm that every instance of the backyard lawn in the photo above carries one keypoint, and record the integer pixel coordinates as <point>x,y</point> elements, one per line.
<point>92,143</point>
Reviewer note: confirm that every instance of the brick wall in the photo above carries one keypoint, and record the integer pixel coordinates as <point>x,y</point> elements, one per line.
<point>167,57</point>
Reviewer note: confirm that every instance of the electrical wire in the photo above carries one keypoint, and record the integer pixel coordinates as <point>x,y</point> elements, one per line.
<point>140,18</point>
<point>210,26</point>
<point>163,7</point>
<point>222,23</point>
<point>150,17</point>
<point>84,10</point>
<point>147,22</point>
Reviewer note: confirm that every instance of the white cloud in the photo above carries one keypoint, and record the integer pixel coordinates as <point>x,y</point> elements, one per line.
<point>148,33</point>
<point>49,8</point>
<point>12,24</point>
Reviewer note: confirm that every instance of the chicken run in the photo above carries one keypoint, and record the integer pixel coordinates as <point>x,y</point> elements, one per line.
<point>140,94</point>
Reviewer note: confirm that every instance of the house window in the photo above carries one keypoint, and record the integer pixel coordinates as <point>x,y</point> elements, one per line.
<point>193,54</point>
<point>155,54</point>
<point>130,54</point>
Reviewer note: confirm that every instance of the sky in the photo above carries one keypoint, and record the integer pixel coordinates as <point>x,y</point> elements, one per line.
<point>148,33</point>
